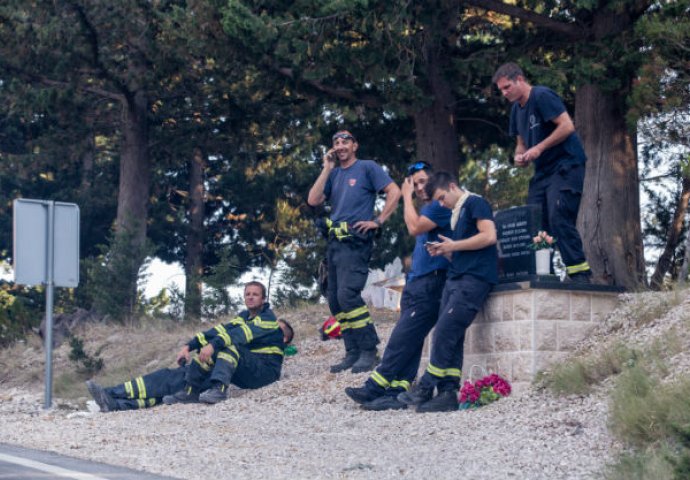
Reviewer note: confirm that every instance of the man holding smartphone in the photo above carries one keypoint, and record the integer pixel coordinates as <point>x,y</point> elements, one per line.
<point>420,299</point>
<point>472,273</point>
<point>351,186</point>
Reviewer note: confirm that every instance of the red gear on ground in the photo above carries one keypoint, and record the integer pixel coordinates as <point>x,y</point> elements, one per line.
<point>331,328</point>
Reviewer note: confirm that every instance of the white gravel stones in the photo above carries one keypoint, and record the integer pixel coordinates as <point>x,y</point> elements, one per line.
<point>305,427</point>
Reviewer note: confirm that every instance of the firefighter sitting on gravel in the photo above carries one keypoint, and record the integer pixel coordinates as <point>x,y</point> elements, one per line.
<point>248,352</point>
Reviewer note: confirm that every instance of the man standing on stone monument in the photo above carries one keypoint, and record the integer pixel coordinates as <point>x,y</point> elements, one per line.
<point>546,137</point>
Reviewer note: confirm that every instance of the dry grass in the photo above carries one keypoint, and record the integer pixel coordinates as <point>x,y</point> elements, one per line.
<point>129,351</point>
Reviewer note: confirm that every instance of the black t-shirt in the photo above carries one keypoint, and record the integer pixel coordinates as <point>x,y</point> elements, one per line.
<point>533,123</point>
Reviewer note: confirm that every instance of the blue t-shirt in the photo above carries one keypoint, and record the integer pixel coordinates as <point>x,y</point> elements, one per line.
<point>352,191</point>
<point>482,263</point>
<point>533,123</point>
<point>422,262</point>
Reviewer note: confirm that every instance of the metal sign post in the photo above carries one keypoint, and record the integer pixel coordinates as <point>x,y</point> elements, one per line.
<point>46,251</point>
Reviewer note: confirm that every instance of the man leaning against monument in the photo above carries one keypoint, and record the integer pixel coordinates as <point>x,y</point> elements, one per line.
<point>351,186</point>
<point>420,301</point>
<point>546,137</point>
<point>472,273</point>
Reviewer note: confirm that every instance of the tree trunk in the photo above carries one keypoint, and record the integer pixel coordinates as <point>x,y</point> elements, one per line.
<point>686,260</point>
<point>673,238</point>
<point>133,192</point>
<point>609,219</point>
<point>195,240</point>
<point>436,138</point>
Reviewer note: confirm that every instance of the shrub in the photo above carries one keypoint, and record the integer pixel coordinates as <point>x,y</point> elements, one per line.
<point>655,419</point>
<point>19,313</point>
<point>579,375</point>
<point>85,364</point>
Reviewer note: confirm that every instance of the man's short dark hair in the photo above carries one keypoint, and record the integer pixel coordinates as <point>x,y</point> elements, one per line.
<point>255,283</point>
<point>508,70</point>
<point>441,180</point>
<point>290,333</point>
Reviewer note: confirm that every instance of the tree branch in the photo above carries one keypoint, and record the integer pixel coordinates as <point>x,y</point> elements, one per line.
<point>32,78</point>
<point>91,34</point>
<point>569,30</point>
<point>341,93</point>
<point>101,92</point>
<point>483,120</point>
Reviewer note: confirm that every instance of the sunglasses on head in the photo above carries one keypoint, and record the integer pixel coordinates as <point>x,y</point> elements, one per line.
<point>415,167</point>
<point>344,136</point>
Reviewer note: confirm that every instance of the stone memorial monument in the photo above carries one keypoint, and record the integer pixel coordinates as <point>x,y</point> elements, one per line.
<point>530,321</point>
<point>515,228</point>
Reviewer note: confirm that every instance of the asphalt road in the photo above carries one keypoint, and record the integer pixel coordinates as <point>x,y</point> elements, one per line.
<point>17,463</point>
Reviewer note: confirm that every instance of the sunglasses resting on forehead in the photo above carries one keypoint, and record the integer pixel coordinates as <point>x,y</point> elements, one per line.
<point>415,167</point>
<point>344,136</point>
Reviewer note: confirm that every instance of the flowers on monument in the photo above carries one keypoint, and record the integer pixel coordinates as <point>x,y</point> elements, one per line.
<point>541,241</point>
<point>484,391</point>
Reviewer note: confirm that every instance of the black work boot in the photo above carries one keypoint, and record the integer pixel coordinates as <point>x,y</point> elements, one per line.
<point>361,394</point>
<point>351,357</point>
<point>104,401</point>
<point>579,277</point>
<point>386,402</point>
<point>416,395</point>
<point>366,362</point>
<point>215,394</point>
<point>446,401</point>
<point>186,395</point>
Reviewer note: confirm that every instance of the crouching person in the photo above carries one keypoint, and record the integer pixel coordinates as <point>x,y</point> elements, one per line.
<point>248,352</point>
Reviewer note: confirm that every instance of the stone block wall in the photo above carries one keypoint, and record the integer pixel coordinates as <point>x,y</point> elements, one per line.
<point>526,327</point>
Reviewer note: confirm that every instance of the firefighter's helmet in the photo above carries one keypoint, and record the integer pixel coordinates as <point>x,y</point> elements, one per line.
<point>330,329</point>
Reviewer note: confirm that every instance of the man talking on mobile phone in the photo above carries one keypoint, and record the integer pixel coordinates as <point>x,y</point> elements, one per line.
<point>351,186</point>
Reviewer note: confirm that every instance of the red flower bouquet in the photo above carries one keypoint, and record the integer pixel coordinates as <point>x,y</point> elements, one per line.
<point>484,391</point>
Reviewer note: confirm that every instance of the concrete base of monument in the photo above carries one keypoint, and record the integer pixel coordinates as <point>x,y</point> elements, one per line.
<point>527,326</point>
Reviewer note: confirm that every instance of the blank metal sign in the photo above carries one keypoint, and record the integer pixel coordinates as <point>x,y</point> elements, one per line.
<point>31,242</point>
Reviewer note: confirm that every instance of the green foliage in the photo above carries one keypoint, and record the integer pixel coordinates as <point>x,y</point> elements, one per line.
<point>20,311</point>
<point>167,304</point>
<point>114,276</point>
<point>85,364</point>
<point>578,376</point>
<point>644,465</point>
<point>489,174</point>
<point>655,418</point>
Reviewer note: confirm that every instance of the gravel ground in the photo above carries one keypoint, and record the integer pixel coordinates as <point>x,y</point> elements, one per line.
<point>305,427</point>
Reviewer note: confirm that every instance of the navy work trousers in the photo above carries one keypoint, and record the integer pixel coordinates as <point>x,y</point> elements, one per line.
<point>148,390</point>
<point>419,306</point>
<point>558,195</point>
<point>462,298</point>
<point>348,269</point>
<point>253,370</point>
